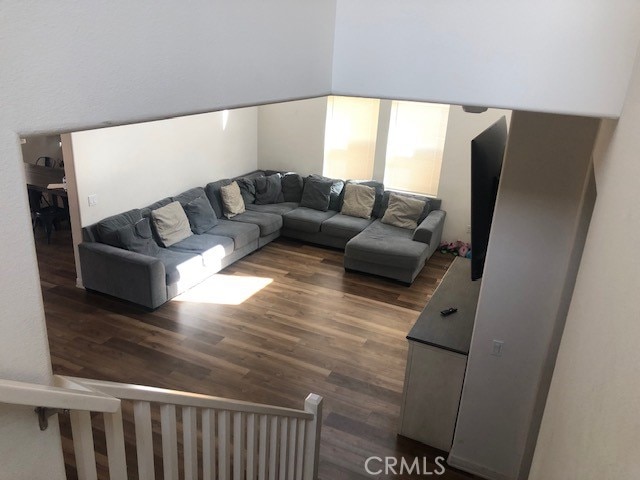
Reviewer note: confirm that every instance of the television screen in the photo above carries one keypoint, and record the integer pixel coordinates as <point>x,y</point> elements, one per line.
<point>487,152</point>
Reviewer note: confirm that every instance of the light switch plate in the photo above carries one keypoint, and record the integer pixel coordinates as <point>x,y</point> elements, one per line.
<point>93,200</point>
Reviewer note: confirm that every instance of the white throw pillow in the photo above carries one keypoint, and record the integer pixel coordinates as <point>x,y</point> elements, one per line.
<point>171,223</point>
<point>358,200</point>
<point>232,201</point>
<point>403,211</point>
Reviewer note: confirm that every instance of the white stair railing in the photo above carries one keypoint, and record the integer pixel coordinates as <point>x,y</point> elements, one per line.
<point>236,439</point>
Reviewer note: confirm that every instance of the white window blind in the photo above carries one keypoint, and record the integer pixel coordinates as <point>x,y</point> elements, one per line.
<point>350,137</point>
<point>415,145</point>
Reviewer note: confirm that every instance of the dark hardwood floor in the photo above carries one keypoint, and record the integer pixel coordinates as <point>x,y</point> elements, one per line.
<point>308,327</point>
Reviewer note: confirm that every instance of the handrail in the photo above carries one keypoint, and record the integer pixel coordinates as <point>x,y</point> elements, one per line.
<point>36,395</point>
<point>143,393</point>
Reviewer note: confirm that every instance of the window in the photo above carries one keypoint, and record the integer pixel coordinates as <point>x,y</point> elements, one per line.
<point>415,144</point>
<point>350,137</point>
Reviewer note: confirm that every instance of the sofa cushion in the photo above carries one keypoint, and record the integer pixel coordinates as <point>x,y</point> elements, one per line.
<point>247,190</point>
<point>232,202</point>
<point>171,224</point>
<point>344,226</point>
<point>146,211</point>
<point>292,185</point>
<point>384,244</point>
<point>213,194</point>
<point>200,214</point>
<point>427,208</point>
<point>212,248</point>
<point>187,268</point>
<point>277,208</point>
<point>189,195</point>
<point>403,211</point>
<point>379,188</point>
<point>306,219</point>
<point>358,200</point>
<point>316,194</point>
<point>269,189</point>
<point>337,185</point>
<point>243,234</point>
<point>138,238</point>
<point>267,222</point>
<point>107,228</point>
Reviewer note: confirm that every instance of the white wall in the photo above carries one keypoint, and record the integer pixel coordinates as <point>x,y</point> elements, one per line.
<point>291,135</point>
<point>525,288</point>
<point>455,175</point>
<point>123,62</point>
<point>132,166</point>
<point>564,57</point>
<point>590,427</point>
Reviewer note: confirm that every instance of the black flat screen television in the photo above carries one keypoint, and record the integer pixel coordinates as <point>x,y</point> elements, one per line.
<point>487,152</point>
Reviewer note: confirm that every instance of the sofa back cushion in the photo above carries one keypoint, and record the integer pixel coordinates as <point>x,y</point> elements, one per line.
<point>337,185</point>
<point>189,195</point>
<point>171,224</point>
<point>316,194</point>
<point>201,216</point>
<point>269,190</point>
<point>213,194</point>
<point>292,185</point>
<point>138,238</point>
<point>247,189</point>
<point>107,228</point>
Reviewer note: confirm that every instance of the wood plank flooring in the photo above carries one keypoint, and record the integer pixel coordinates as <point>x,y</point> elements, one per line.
<point>312,328</point>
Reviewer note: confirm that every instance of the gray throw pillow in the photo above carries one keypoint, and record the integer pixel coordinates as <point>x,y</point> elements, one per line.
<point>138,238</point>
<point>171,223</point>
<point>201,216</point>
<point>269,190</point>
<point>247,190</point>
<point>292,185</point>
<point>232,202</point>
<point>337,185</point>
<point>403,211</point>
<point>316,194</point>
<point>358,200</point>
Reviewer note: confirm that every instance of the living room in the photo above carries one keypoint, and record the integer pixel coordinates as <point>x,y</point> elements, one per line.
<point>190,151</point>
<point>307,68</point>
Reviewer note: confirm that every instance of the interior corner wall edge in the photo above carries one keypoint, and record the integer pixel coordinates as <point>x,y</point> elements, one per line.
<point>534,233</point>
<point>569,57</point>
<point>291,135</point>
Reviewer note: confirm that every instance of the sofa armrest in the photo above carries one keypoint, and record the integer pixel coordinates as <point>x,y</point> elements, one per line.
<point>430,230</point>
<point>128,275</point>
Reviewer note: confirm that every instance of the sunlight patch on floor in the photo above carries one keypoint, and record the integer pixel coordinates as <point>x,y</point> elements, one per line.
<point>224,290</point>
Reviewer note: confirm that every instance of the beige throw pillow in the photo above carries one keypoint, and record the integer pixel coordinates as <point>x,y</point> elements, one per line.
<point>171,223</point>
<point>232,200</point>
<point>403,212</point>
<point>358,200</point>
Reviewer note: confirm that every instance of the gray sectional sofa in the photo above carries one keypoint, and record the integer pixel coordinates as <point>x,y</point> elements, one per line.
<point>153,277</point>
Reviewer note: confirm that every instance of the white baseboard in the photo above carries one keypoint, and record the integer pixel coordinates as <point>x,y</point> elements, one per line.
<point>476,469</point>
<point>79,282</point>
